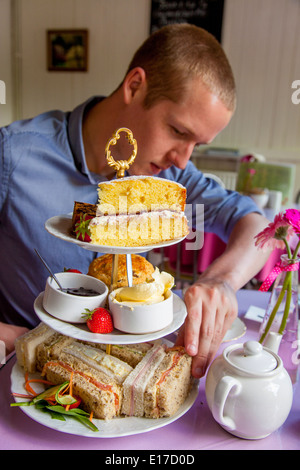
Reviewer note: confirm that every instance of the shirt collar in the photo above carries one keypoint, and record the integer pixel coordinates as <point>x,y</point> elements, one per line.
<point>75,137</point>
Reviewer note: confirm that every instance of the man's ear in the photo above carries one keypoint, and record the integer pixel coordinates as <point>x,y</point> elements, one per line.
<point>134,82</point>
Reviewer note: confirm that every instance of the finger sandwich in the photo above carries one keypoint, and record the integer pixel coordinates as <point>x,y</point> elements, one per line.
<point>50,349</point>
<point>97,396</point>
<point>96,378</point>
<point>26,346</point>
<point>159,384</point>
<point>130,353</point>
<point>144,380</point>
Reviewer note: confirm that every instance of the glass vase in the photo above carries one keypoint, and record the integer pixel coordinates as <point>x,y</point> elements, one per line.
<point>282,316</point>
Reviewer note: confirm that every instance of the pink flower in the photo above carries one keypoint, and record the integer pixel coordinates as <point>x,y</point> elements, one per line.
<point>273,236</point>
<point>248,158</point>
<point>276,235</point>
<point>292,217</point>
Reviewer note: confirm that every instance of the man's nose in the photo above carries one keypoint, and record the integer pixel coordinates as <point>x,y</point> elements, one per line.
<point>181,155</point>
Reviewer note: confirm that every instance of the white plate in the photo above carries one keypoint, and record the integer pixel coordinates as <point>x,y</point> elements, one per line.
<point>237,329</point>
<point>81,331</point>
<point>60,227</point>
<point>116,427</point>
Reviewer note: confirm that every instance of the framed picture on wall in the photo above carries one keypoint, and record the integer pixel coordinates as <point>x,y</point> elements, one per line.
<point>67,50</point>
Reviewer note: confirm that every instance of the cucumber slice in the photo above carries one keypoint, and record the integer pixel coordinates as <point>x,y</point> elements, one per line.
<point>65,399</point>
<point>50,392</point>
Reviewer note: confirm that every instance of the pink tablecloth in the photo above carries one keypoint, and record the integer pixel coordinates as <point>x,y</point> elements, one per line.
<point>194,431</point>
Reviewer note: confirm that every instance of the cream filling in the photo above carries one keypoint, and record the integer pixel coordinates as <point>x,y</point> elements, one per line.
<point>143,216</point>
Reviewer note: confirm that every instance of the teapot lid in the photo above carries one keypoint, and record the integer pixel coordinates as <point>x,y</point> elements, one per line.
<point>252,357</point>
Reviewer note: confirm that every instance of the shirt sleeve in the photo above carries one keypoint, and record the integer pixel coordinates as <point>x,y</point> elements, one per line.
<point>209,205</point>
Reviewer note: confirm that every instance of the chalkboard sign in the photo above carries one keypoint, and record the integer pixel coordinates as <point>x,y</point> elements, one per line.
<point>207,14</point>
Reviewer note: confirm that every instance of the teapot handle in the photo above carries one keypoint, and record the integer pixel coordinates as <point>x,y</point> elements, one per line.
<point>225,386</point>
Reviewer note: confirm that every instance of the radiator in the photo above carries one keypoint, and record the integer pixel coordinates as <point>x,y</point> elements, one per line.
<point>228,178</point>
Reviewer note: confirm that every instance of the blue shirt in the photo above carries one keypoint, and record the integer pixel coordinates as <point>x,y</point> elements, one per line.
<point>43,171</point>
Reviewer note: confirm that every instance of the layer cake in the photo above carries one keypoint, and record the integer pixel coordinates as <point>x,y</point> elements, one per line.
<point>135,211</point>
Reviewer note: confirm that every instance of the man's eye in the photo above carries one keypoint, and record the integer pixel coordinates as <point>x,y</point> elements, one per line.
<point>177,132</point>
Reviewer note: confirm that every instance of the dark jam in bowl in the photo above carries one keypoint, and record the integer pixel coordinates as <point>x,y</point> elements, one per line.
<point>83,292</point>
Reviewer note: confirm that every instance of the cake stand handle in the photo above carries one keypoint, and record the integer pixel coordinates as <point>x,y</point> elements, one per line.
<point>120,166</point>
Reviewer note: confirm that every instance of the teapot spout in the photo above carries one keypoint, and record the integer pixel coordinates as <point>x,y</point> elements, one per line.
<point>273,341</point>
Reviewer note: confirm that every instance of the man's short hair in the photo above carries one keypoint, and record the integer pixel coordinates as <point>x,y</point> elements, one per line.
<point>177,53</point>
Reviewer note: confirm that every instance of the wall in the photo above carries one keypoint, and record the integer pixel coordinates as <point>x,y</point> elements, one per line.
<point>116,27</point>
<point>262,41</point>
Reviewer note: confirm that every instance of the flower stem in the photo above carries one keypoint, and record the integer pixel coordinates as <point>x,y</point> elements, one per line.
<point>289,253</point>
<point>287,304</point>
<point>276,306</point>
<point>296,250</point>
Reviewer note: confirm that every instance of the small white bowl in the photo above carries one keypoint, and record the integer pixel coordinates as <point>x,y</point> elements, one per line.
<point>261,200</point>
<point>141,318</point>
<point>69,307</point>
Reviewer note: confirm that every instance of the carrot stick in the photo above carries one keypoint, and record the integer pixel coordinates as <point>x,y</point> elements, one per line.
<point>21,395</point>
<point>71,383</point>
<point>30,389</point>
<point>40,381</point>
<point>70,389</point>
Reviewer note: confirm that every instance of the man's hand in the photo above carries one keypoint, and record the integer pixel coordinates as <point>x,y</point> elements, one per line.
<point>8,334</point>
<point>211,307</point>
<point>211,302</point>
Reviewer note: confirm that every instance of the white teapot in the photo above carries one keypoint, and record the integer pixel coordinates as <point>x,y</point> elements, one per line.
<point>248,390</point>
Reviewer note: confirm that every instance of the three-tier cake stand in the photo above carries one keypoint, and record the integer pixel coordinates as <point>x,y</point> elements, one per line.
<point>60,227</point>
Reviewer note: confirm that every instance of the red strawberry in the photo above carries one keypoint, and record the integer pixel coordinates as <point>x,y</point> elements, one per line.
<point>81,228</point>
<point>99,320</point>
<point>70,270</point>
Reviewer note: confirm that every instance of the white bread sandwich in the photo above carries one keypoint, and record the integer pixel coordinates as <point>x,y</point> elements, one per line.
<point>43,344</point>
<point>113,368</point>
<point>130,353</point>
<point>159,384</point>
<point>26,346</point>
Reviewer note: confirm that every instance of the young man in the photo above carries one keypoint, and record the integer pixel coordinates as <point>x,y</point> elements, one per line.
<point>178,92</point>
